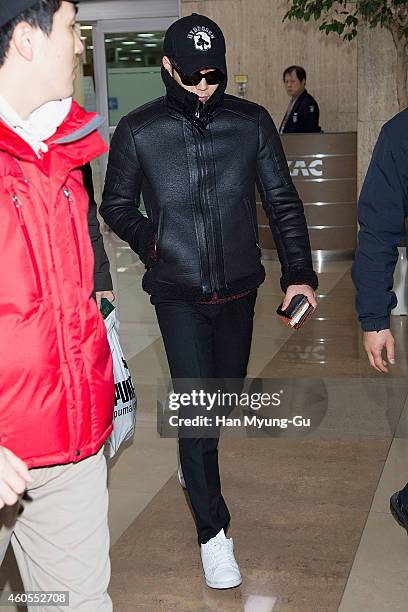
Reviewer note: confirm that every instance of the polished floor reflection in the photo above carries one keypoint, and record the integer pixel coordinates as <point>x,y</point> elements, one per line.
<point>303,511</point>
<point>310,515</point>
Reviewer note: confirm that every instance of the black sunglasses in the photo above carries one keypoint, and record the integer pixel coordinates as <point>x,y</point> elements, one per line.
<point>213,78</point>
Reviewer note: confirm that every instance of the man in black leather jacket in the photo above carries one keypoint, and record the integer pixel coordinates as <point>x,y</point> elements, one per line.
<point>196,155</point>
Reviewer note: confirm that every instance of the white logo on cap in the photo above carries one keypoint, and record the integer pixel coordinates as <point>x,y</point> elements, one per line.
<point>202,37</point>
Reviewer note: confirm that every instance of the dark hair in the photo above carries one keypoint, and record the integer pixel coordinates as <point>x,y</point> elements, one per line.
<point>300,72</point>
<point>41,15</point>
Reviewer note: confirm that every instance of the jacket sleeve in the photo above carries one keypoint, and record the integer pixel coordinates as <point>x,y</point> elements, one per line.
<point>283,208</point>
<point>102,277</point>
<point>121,196</point>
<point>381,215</point>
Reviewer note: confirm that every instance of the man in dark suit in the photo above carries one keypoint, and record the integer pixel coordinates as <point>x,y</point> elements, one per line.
<point>302,115</point>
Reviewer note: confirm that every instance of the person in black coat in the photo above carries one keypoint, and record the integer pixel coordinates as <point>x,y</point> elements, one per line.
<point>102,278</point>
<point>382,213</point>
<point>199,241</point>
<point>302,114</point>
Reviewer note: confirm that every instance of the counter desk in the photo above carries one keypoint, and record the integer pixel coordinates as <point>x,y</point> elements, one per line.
<point>324,170</point>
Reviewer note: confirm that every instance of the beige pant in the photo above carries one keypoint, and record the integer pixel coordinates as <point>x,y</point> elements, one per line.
<point>59,533</point>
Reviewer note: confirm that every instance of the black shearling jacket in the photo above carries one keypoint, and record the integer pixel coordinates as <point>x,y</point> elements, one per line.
<point>196,167</point>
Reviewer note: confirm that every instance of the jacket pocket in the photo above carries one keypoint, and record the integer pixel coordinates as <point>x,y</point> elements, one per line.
<point>159,233</point>
<point>68,196</point>
<point>250,215</point>
<point>29,246</point>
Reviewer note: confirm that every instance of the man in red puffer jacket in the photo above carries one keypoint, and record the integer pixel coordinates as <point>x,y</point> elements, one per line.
<point>56,384</point>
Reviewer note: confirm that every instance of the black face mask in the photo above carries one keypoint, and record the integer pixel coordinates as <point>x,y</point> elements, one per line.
<point>188,104</point>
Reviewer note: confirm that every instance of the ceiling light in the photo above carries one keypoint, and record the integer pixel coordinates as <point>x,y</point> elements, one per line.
<point>129,42</point>
<point>145,35</point>
<point>150,45</point>
<point>108,40</point>
<point>135,50</point>
<point>86,27</point>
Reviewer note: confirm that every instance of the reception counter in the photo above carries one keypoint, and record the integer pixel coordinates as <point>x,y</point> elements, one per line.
<point>324,170</point>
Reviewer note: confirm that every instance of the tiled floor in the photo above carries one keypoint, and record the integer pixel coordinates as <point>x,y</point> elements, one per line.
<point>310,515</point>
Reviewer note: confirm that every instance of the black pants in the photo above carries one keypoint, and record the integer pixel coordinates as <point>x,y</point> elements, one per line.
<point>206,341</point>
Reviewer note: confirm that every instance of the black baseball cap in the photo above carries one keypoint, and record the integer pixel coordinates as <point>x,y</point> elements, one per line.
<point>12,8</point>
<point>195,42</point>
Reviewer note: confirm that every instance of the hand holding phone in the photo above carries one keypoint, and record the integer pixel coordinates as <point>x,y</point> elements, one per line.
<point>297,312</point>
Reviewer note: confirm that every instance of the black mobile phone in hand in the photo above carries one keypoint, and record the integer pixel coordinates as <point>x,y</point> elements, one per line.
<point>297,312</point>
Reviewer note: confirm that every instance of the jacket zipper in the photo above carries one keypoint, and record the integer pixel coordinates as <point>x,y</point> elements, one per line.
<point>203,201</point>
<point>214,254</point>
<point>212,247</point>
<point>67,194</point>
<point>60,335</point>
<point>64,343</point>
<point>200,203</point>
<point>207,226</point>
<point>53,266</point>
<point>198,213</point>
<point>30,249</point>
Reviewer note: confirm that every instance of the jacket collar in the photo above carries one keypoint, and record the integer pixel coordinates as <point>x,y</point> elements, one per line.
<point>182,102</point>
<point>68,139</point>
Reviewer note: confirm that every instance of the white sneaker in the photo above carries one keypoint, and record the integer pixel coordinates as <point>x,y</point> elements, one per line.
<point>220,567</point>
<point>181,477</point>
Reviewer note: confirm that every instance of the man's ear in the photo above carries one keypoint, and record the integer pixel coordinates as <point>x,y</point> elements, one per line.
<point>22,40</point>
<point>167,65</point>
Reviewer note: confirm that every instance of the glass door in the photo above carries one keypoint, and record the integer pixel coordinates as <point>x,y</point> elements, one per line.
<point>126,56</point>
<point>121,71</point>
<point>133,64</point>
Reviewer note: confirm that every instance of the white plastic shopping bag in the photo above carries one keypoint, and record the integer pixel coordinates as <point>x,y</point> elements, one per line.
<point>124,417</point>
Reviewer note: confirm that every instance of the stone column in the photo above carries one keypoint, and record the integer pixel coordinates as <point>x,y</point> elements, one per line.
<point>377,90</point>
